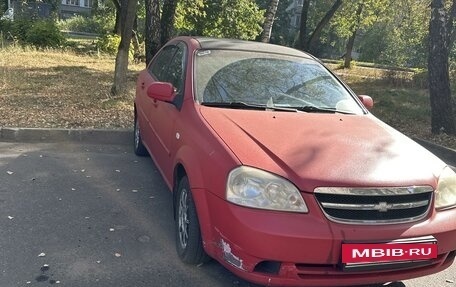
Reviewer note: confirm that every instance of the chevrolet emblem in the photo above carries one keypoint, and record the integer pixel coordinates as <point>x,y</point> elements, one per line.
<point>382,206</point>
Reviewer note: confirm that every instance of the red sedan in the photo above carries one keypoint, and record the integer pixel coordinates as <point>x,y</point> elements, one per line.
<point>280,173</point>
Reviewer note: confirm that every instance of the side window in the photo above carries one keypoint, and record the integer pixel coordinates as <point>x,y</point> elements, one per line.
<point>159,66</point>
<point>176,69</point>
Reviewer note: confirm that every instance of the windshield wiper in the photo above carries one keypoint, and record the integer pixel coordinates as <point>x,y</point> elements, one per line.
<point>243,105</point>
<point>233,105</point>
<point>314,109</point>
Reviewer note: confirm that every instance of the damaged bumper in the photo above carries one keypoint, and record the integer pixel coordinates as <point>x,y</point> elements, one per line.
<point>289,249</point>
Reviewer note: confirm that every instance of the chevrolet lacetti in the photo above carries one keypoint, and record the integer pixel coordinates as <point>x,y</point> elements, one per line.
<point>280,173</point>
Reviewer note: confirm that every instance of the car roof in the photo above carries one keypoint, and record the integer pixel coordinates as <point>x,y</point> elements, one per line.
<point>234,44</point>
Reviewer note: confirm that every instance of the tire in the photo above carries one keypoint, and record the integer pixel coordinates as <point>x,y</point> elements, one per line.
<point>189,244</point>
<point>139,148</point>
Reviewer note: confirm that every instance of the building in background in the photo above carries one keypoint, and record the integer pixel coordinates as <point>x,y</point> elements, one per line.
<point>39,9</point>
<point>70,8</point>
<point>294,10</point>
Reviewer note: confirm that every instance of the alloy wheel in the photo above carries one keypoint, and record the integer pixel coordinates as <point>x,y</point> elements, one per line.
<point>183,218</point>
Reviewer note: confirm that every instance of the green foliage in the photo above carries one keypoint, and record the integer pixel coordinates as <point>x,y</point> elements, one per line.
<point>38,33</point>
<point>109,43</point>
<point>43,34</point>
<point>6,26</point>
<point>240,19</point>
<point>19,30</point>
<point>3,6</point>
<point>83,24</point>
<point>400,38</point>
<point>346,21</point>
<point>104,17</point>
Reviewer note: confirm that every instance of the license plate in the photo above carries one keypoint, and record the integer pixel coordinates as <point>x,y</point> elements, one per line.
<point>388,252</point>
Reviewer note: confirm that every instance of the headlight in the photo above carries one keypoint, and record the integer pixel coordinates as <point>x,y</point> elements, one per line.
<point>256,188</point>
<point>445,194</point>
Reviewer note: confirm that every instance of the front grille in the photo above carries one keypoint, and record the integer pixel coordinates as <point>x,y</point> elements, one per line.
<point>375,205</point>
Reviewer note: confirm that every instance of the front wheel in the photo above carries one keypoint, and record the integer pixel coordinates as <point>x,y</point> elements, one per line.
<point>139,148</point>
<point>189,243</point>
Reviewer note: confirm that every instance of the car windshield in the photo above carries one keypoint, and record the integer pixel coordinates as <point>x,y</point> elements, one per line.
<point>243,79</point>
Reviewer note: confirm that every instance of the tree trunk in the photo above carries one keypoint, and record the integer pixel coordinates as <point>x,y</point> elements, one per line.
<point>121,68</point>
<point>269,21</point>
<point>167,20</point>
<point>152,27</point>
<point>349,50</point>
<point>317,32</point>
<point>351,40</point>
<point>117,26</point>
<point>135,40</point>
<point>451,29</point>
<point>442,115</point>
<point>303,25</point>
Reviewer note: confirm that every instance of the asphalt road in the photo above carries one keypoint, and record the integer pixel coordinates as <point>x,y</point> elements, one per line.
<point>97,215</point>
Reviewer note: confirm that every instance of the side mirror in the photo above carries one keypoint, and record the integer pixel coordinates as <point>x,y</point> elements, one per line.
<point>367,101</point>
<point>161,91</point>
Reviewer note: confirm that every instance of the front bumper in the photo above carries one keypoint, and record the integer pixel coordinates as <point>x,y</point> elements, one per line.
<point>289,249</point>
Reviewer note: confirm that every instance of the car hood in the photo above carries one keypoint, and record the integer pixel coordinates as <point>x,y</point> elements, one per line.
<point>320,149</point>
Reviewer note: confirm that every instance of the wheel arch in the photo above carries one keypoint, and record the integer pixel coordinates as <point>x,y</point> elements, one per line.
<point>192,170</point>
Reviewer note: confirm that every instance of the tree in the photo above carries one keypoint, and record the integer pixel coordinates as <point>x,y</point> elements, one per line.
<point>128,14</point>
<point>269,21</point>
<point>354,16</point>
<point>324,21</point>
<point>152,29</point>
<point>117,27</point>
<point>441,39</point>
<point>397,35</point>
<point>351,39</point>
<point>167,20</point>
<point>308,45</point>
<point>220,18</point>
<point>303,25</point>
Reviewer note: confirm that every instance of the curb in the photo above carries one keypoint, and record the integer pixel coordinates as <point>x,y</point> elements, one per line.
<point>125,136</point>
<point>95,136</point>
<point>448,155</point>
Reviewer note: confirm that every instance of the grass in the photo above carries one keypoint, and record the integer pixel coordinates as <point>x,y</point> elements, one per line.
<point>69,90</point>
<point>400,99</point>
